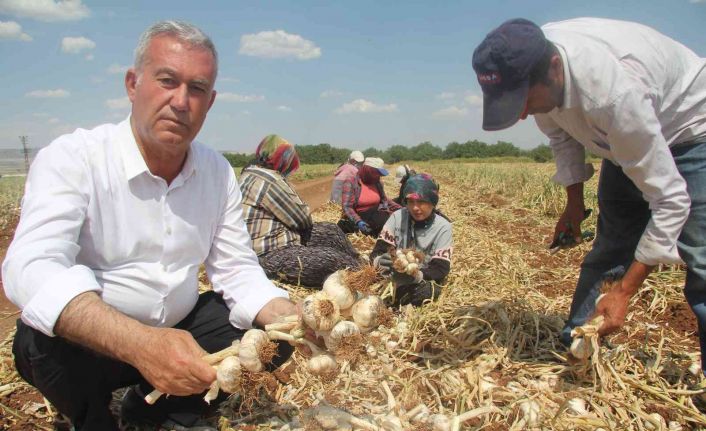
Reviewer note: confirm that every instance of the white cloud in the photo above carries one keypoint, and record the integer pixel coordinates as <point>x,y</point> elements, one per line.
<point>362,105</point>
<point>119,103</point>
<point>240,98</point>
<point>48,94</point>
<point>330,93</point>
<point>284,108</point>
<point>45,10</point>
<point>74,45</point>
<point>446,95</point>
<point>474,100</point>
<point>278,44</point>
<point>89,57</point>
<point>12,30</point>
<point>697,1</point>
<point>451,111</point>
<point>117,69</point>
<point>54,121</point>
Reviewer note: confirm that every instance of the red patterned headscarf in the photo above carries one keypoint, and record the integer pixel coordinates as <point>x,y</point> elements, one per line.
<point>277,153</point>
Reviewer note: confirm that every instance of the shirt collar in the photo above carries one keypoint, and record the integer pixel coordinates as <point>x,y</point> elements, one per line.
<point>134,163</point>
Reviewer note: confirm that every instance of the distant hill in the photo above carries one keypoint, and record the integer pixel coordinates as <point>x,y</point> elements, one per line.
<point>12,161</point>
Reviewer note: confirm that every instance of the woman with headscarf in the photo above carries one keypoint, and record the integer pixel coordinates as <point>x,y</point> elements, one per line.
<point>366,208</point>
<point>421,227</point>
<point>289,245</point>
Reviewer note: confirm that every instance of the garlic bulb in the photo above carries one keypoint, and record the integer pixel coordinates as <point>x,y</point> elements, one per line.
<point>695,369</point>
<point>250,345</point>
<point>674,426</point>
<point>576,406</point>
<point>366,312</point>
<point>530,413</point>
<point>228,374</point>
<point>322,364</point>
<point>320,312</point>
<point>581,348</point>
<point>335,288</point>
<point>440,422</point>
<point>343,329</point>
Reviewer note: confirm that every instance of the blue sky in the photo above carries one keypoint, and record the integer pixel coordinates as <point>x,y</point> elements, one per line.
<point>354,74</point>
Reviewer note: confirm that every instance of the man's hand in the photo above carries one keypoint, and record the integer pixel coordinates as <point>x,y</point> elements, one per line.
<point>171,361</point>
<point>575,212</point>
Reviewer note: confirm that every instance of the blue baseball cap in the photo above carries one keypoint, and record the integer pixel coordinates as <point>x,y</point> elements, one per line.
<point>503,62</point>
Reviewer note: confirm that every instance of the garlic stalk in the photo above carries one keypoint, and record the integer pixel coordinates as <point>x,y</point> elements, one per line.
<point>320,312</point>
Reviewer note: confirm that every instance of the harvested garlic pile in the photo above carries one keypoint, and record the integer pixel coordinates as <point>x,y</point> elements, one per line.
<point>339,314</point>
<point>407,261</point>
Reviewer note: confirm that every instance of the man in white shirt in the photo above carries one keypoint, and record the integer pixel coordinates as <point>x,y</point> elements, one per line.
<point>635,98</point>
<point>115,224</point>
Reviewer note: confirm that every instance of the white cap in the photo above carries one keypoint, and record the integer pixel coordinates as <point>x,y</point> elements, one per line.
<point>357,156</point>
<point>400,173</point>
<point>377,163</point>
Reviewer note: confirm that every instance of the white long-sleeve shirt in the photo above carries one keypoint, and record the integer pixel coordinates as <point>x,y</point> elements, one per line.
<point>630,93</point>
<point>95,219</point>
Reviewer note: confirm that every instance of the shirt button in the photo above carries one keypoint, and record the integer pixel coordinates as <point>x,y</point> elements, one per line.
<point>169,231</point>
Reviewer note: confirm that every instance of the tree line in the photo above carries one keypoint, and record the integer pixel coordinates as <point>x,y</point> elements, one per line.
<point>325,153</point>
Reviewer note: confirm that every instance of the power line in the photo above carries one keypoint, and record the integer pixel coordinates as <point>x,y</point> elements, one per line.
<point>25,148</point>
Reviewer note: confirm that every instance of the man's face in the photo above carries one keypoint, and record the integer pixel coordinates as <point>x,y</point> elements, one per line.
<point>171,95</point>
<point>543,97</point>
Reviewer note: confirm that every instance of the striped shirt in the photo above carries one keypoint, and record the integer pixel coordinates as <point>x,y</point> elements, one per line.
<point>274,213</point>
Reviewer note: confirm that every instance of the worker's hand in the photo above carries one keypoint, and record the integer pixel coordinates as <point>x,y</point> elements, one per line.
<point>364,227</point>
<point>171,361</point>
<point>383,262</point>
<point>569,226</point>
<point>613,306</point>
<point>402,279</point>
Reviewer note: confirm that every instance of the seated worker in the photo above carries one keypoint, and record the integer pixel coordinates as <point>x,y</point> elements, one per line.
<point>402,174</point>
<point>343,172</point>
<point>289,245</point>
<point>421,227</point>
<point>115,223</point>
<point>365,206</point>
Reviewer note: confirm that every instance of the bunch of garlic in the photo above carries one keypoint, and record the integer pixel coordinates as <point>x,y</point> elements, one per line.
<point>407,261</point>
<point>585,339</point>
<point>249,353</point>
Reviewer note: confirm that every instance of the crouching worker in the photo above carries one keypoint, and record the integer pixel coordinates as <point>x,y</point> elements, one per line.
<point>289,244</point>
<point>115,224</point>
<point>421,227</point>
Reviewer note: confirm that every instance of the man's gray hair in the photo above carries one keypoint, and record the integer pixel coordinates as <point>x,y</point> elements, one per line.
<point>181,30</point>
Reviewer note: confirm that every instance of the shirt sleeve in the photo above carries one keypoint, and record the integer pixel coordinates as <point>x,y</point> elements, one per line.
<point>287,207</point>
<point>569,154</point>
<point>348,200</point>
<point>635,136</point>
<point>40,274</point>
<point>232,265</point>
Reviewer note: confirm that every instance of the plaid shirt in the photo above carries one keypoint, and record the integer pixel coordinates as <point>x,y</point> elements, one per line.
<point>274,214</point>
<point>351,193</point>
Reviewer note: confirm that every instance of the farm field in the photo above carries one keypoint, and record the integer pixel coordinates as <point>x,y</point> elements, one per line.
<point>488,347</point>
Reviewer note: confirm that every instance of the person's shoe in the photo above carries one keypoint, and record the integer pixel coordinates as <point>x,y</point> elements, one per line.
<point>134,409</point>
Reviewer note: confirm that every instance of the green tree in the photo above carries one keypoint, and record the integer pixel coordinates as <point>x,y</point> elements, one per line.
<point>425,151</point>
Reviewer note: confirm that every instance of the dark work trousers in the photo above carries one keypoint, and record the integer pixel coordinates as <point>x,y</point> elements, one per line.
<point>80,382</point>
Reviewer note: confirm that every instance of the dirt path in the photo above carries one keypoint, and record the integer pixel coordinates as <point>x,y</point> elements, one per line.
<point>315,192</point>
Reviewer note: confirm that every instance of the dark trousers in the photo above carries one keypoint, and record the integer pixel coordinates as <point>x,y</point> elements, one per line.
<point>80,382</point>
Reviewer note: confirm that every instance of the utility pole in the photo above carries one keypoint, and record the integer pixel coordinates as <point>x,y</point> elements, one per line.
<point>23,139</point>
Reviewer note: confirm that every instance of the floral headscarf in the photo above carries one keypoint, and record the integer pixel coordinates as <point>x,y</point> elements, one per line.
<point>422,187</point>
<point>277,153</point>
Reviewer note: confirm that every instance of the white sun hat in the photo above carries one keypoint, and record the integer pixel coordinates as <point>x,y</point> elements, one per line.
<point>377,163</point>
<point>357,156</point>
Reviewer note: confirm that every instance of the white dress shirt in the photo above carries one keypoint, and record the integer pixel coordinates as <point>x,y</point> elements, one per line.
<point>95,219</point>
<point>630,93</point>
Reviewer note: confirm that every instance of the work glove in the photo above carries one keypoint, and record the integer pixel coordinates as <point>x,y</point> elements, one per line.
<point>383,262</point>
<point>364,227</point>
<point>402,279</point>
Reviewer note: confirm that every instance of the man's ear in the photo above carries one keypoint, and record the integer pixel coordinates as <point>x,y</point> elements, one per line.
<point>131,83</point>
<point>213,99</point>
<point>555,66</point>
